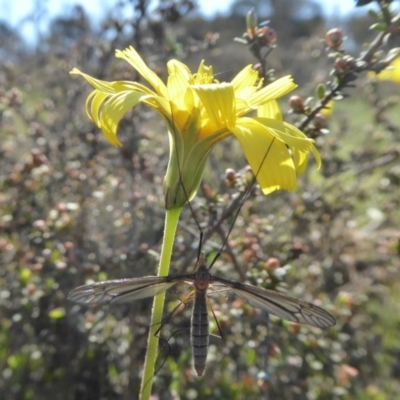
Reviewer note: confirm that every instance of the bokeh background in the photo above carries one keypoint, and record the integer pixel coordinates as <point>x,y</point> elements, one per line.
<point>73,208</point>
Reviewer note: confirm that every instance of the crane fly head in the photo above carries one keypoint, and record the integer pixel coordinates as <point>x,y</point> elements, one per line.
<point>202,260</point>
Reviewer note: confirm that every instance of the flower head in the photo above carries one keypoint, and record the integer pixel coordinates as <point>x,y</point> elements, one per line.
<point>199,113</point>
<point>327,110</point>
<point>392,73</point>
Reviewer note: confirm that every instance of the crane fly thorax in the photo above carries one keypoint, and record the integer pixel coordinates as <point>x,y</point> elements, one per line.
<point>202,277</point>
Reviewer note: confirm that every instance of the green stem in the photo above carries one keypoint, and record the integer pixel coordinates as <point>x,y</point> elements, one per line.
<point>171,223</point>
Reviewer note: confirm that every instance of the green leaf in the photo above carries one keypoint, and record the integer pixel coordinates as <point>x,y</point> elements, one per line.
<point>373,14</point>
<point>321,91</point>
<point>379,26</point>
<point>308,100</point>
<point>338,96</point>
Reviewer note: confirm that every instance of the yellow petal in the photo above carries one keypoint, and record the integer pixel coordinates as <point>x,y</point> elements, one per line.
<point>392,73</point>
<point>112,87</point>
<point>287,133</point>
<point>246,78</point>
<point>243,107</point>
<point>132,57</point>
<point>219,103</point>
<point>300,159</point>
<point>178,85</point>
<point>327,110</point>
<point>114,109</point>
<point>268,156</point>
<point>160,104</point>
<point>316,156</point>
<point>299,144</point>
<point>175,117</point>
<point>273,91</point>
<point>270,110</point>
<point>174,66</point>
<point>204,74</point>
<point>94,103</point>
<point>103,86</point>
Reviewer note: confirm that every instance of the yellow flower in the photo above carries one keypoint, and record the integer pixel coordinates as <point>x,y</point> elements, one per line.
<point>327,110</point>
<point>392,73</point>
<point>199,113</point>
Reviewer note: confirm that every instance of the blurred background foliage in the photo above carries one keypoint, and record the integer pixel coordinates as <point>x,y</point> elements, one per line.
<point>73,208</point>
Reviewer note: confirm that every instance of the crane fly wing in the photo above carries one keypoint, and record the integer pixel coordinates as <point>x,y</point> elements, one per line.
<point>280,304</point>
<point>121,290</point>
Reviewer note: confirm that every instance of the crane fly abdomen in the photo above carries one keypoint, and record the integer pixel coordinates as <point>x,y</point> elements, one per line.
<point>199,335</point>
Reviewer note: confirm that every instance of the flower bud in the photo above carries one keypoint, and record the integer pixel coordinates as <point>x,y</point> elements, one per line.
<point>319,121</point>
<point>251,23</point>
<point>271,263</point>
<point>345,64</point>
<point>297,104</point>
<point>334,38</point>
<point>230,177</point>
<point>267,35</point>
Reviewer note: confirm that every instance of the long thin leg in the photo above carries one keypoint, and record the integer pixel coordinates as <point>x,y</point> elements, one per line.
<point>179,308</point>
<point>215,317</point>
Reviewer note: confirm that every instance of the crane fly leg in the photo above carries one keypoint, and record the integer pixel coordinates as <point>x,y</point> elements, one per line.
<point>215,318</point>
<point>177,309</point>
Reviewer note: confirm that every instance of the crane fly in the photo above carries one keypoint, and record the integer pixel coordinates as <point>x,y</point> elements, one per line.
<point>126,290</point>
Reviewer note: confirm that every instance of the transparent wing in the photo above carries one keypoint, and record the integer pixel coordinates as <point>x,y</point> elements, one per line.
<point>281,305</point>
<point>121,290</point>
